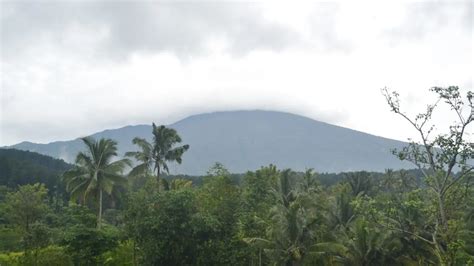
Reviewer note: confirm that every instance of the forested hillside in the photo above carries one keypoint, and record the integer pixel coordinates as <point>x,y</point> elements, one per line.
<point>23,167</point>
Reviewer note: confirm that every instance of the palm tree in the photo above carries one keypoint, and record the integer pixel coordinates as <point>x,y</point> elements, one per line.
<point>367,245</point>
<point>154,156</point>
<point>342,213</point>
<point>95,172</point>
<point>360,182</point>
<point>144,157</point>
<point>292,232</point>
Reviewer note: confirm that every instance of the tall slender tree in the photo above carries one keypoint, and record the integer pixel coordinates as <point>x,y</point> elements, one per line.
<point>292,232</point>
<point>444,159</point>
<point>144,157</point>
<point>95,172</point>
<point>154,157</point>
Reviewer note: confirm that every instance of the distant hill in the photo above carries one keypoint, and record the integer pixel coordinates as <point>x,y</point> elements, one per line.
<point>247,140</point>
<point>23,167</point>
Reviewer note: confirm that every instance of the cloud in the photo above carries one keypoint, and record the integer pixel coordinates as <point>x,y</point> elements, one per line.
<point>422,19</point>
<point>73,68</point>
<point>123,28</point>
<point>324,33</point>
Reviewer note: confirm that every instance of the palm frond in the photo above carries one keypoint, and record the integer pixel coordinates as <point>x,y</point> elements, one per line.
<point>139,170</point>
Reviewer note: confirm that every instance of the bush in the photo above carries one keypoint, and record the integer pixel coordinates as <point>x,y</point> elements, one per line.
<point>54,256</point>
<point>10,239</point>
<point>86,245</point>
<point>121,255</point>
<point>51,256</point>
<point>11,259</point>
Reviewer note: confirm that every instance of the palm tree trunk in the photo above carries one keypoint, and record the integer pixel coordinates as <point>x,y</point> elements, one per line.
<point>99,216</point>
<point>158,177</point>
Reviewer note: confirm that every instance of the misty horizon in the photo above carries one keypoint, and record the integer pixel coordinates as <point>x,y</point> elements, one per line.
<point>73,68</point>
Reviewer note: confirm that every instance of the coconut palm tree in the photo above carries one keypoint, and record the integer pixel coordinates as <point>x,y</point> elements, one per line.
<point>144,157</point>
<point>360,182</point>
<point>342,213</point>
<point>95,172</point>
<point>292,232</point>
<point>367,245</point>
<point>155,156</point>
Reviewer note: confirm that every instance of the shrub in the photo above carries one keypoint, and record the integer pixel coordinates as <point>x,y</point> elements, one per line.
<point>11,259</point>
<point>54,256</point>
<point>121,255</point>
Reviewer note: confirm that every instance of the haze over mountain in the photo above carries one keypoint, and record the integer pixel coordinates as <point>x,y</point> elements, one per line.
<point>247,140</point>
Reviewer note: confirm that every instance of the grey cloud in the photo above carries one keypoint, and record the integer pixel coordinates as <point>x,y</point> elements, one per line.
<point>26,23</point>
<point>181,28</point>
<point>424,18</point>
<point>324,34</point>
<point>184,27</point>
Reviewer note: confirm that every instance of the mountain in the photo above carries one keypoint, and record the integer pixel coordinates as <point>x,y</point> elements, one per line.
<point>24,167</point>
<point>247,140</point>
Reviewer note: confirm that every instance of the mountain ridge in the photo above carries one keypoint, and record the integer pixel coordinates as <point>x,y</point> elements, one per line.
<point>246,140</point>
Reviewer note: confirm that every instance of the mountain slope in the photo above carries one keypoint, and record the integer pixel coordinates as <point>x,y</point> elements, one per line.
<point>23,167</point>
<point>246,140</point>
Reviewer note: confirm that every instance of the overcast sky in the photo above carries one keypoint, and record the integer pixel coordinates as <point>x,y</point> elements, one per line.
<point>72,68</point>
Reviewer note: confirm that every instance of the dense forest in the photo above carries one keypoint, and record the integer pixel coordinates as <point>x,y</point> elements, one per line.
<point>106,210</point>
<point>23,167</point>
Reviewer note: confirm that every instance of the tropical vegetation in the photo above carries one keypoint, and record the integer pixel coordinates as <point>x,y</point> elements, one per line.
<point>110,209</point>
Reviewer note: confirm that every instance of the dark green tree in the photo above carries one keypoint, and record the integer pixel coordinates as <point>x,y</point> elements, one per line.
<point>367,245</point>
<point>219,202</point>
<point>27,205</point>
<point>293,235</point>
<point>163,227</point>
<point>25,209</point>
<point>257,200</point>
<point>154,157</point>
<point>95,172</point>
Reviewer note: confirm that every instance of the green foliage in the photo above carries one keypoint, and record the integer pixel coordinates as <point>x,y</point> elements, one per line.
<point>266,217</point>
<point>219,197</point>
<point>95,172</point>
<point>341,213</point>
<point>295,221</point>
<point>162,226</point>
<point>11,259</point>
<point>144,157</point>
<point>366,245</point>
<point>124,254</point>
<point>10,239</point>
<point>27,205</point>
<point>361,183</point>
<point>257,189</point>
<point>183,227</point>
<point>154,157</point>
<point>219,206</point>
<point>86,245</point>
<point>25,208</point>
<point>23,167</point>
<point>175,183</point>
<point>74,214</point>
<point>164,149</point>
<point>53,256</point>
<point>438,158</point>
<point>257,200</point>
